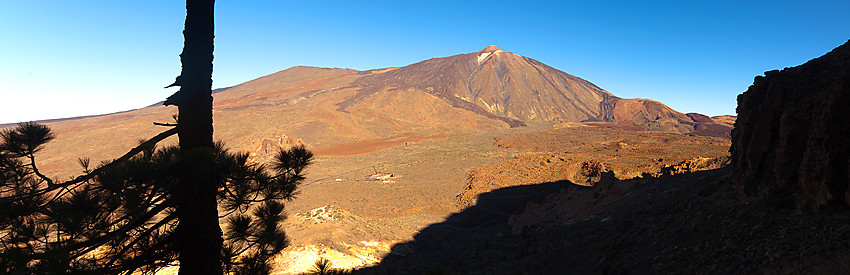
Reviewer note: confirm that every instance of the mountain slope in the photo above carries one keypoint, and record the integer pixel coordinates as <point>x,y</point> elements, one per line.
<point>493,83</point>
<point>517,90</point>
<point>343,112</point>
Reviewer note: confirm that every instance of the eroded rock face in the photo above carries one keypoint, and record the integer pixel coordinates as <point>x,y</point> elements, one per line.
<point>791,141</point>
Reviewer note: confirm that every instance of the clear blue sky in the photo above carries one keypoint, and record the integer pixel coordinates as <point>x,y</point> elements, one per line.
<point>70,58</point>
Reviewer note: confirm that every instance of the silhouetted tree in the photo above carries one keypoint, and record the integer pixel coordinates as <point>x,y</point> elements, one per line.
<point>323,266</point>
<point>124,215</point>
<point>199,236</point>
<point>151,207</point>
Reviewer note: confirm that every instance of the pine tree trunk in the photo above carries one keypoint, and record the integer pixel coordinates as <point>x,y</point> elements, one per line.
<point>199,236</point>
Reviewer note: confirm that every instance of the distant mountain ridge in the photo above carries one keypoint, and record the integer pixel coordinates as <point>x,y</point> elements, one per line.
<point>4,125</point>
<point>339,111</point>
<point>493,83</point>
<point>517,90</point>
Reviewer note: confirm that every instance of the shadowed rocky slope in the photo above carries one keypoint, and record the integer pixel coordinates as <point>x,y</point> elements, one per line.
<point>690,223</point>
<point>790,142</point>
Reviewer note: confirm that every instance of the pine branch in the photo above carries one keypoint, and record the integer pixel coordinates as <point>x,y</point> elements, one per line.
<point>93,244</point>
<point>152,254</point>
<point>151,142</point>
<point>147,232</point>
<point>154,140</point>
<point>49,181</point>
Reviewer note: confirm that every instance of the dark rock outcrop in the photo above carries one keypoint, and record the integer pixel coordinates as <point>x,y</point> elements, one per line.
<point>791,142</point>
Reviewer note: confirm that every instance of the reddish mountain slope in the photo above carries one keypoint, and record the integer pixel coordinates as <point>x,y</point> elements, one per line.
<point>343,111</point>
<point>493,83</point>
<point>504,86</point>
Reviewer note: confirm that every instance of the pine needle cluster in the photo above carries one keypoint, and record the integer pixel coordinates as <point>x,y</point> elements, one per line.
<point>119,217</point>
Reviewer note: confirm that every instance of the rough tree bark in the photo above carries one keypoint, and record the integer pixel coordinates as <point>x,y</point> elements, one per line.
<point>199,236</point>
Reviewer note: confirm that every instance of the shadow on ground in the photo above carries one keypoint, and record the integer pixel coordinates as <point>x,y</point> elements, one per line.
<point>689,223</point>
<point>467,241</point>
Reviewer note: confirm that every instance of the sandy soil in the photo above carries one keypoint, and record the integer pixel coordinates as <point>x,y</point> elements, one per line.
<point>373,145</point>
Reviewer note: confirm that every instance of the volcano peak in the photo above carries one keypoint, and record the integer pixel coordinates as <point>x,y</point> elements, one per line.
<point>489,49</point>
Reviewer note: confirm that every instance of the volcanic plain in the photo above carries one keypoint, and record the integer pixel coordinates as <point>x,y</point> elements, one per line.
<point>399,149</point>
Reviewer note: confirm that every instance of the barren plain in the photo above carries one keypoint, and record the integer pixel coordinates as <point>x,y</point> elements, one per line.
<point>447,129</point>
<point>436,178</point>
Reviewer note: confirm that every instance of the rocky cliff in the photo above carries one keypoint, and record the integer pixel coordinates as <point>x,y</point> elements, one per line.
<point>790,142</point>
